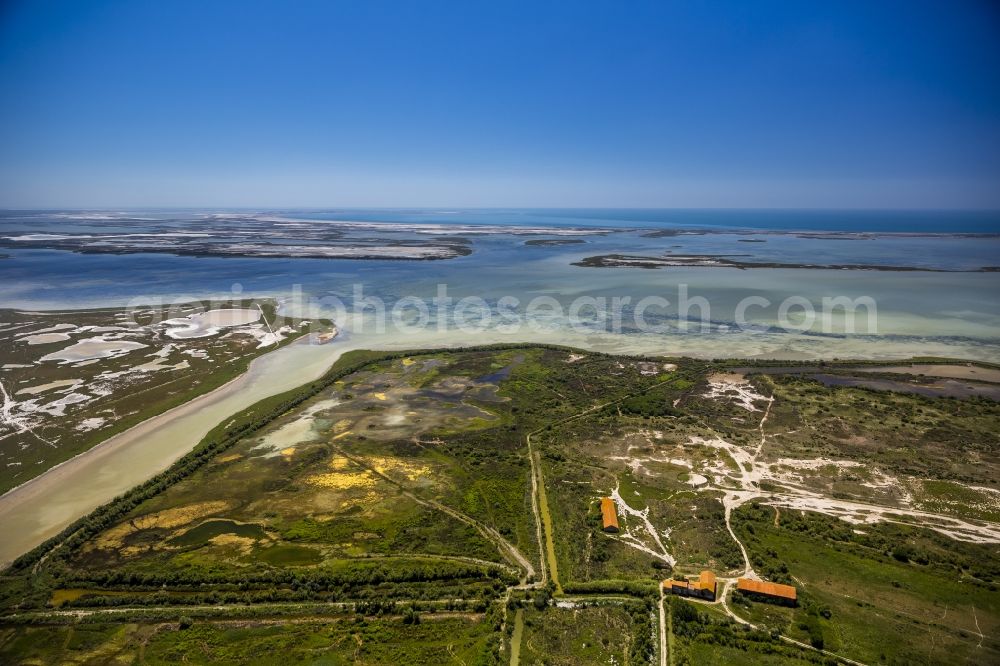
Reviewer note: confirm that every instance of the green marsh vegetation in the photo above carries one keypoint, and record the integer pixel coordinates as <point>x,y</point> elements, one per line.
<point>395,494</point>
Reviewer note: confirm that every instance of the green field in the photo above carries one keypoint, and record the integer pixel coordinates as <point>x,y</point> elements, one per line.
<point>432,639</point>
<point>933,595</point>
<point>587,635</point>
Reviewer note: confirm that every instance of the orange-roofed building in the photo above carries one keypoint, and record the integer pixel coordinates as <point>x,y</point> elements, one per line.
<point>706,582</point>
<point>703,588</point>
<point>610,514</point>
<point>784,594</point>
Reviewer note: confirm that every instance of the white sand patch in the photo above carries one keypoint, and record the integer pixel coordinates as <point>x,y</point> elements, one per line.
<point>748,474</point>
<point>205,324</point>
<point>639,464</point>
<point>195,353</point>
<point>153,366</point>
<point>44,338</point>
<point>93,348</point>
<point>164,351</point>
<point>785,471</point>
<point>697,480</point>
<point>635,464</point>
<point>12,414</point>
<point>52,329</point>
<point>56,407</point>
<point>41,388</point>
<point>814,463</point>
<point>637,536</point>
<point>396,417</point>
<point>90,424</point>
<point>883,482</point>
<point>326,336</point>
<point>753,472</point>
<point>867,514</point>
<point>264,338</point>
<point>734,387</point>
<point>12,366</point>
<point>100,329</point>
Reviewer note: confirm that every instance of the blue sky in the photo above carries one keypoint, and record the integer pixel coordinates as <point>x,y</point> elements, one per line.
<point>661,104</point>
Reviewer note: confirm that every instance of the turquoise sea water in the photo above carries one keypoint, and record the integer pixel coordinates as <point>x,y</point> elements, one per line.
<point>796,220</point>
<point>939,313</point>
<point>890,221</point>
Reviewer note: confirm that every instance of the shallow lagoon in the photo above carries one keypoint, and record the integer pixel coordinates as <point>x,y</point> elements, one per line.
<point>923,313</point>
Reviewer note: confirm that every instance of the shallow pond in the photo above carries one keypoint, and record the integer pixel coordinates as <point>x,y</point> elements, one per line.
<point>213,528</point>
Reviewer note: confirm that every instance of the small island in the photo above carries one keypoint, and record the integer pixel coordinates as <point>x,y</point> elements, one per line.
<point>726,261</point>
<point>546,242</point>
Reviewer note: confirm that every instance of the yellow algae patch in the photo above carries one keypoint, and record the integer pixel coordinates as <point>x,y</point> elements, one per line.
<point>341,435</point>
<point>365,502</point>
<point>61,596</point>
<point>379,396</point>
<point>180,515</point>
<point>395,467</point>
<point>288,452</point>
<point>343,478</point>
<point>408,361</point>
<point>231,457</point>
<point>342,425</point>
<point>167,519</point>
<point>244,544</point>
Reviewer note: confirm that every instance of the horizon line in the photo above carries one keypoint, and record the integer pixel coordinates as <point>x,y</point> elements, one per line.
<point>444,208</point>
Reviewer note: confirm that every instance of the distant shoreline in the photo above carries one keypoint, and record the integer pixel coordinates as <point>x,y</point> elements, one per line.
<point>325,240</point>
<point>724,261</point>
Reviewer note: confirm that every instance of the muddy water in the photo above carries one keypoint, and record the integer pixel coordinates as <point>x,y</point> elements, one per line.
<point>945,388</point>
<point>938,386</point>
<point>45,505</point>
<point>972,372</point>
